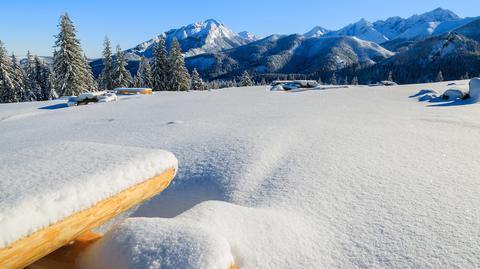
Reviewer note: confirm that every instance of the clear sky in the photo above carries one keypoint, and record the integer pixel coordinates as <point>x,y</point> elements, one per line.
<point>31,24</point>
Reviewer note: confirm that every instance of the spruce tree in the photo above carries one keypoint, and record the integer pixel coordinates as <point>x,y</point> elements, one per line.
<point>439,77</point>
<point>263,81</point>
<point>71,75</point>
<point>44,89</point>
<point>30,80</point>
<point>197,82</point>
<point>143,79</point>
<point>390,76</point>
<point>160,66</point>
<point>7,86</point>
<point>106,77</point>
<point>246,80</point>
<point>355,80</point>
<point>122,77</point>
<point>90,79</point>
<point>180,78</point>
<point>18,79</point>
<point>333,80</point>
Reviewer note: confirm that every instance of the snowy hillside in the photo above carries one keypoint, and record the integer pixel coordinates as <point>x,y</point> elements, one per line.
<point>363,177</point>
<point>290,54</point>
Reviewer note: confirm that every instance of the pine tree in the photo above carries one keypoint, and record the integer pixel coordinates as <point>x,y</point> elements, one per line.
<point>333,80</point>
<point>319,81</point>
<point>90,79</point>
<point>180,78</point>
<point>246,80</point>
<point>160,66</point>
<point>71,74</point>
<point>7,86</point>
<point>197,82</point>
<point>263,81</point>
<point>355,80</point>
<point>466,76</point>
<point>18,79</point>
<point>345,81</point>
<point>30,80</point>
<point>439,77</point>
<point>122,77</point>
<point>44,89</point>
<point>106,77</point>
<point>390,76</point>
<point>143,79</point>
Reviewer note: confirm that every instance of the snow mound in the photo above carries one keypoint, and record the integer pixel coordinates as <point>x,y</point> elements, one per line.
<point>474,89</point>
<point>44,184</point>
<point>158,243</point>
<point>452,94</point>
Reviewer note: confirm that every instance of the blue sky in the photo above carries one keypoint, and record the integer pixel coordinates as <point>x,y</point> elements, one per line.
<point>31,24</point>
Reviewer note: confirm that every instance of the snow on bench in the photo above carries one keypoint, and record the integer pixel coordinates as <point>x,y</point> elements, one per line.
<point>89,97</point>
<point>73,187</point>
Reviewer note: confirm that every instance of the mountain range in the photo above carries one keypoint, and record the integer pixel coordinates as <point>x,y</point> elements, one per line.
<point>395,44</point>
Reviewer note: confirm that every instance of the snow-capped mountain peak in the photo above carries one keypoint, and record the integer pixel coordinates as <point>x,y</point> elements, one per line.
<point>317,31</point>
<point>248,36</point>
<point>196,38</point>
<point>362,29</point>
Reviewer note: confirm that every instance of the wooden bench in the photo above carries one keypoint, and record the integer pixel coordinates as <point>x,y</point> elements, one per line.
<point>58,245</point>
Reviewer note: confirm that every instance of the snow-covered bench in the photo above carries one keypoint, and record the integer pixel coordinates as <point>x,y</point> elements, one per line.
<point>92,97</point>
<point>55,194</point>
<point>128,91</point>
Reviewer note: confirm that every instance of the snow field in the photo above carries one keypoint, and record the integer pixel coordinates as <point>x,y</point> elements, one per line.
<point>360,177</point>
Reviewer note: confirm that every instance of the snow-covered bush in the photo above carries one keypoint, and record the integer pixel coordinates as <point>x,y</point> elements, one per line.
<point>474,88</point>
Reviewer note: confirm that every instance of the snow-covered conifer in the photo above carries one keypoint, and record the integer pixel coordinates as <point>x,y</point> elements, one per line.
<point>439,77</point>
<point>106,77</point>
<point>180,78</point>
<point>143,78</point>
<point>71,74</point>
<point>30,80</point>
<point>90,79</point>
<point>197,82</point>
<point>160,66</point>
<point>43,85</point>
<point>390,76</point>
<point>7,86</point>
<point>18,79</point>
<point>246,80</point>
<point>333,80</point>
<point>354,80</point>
<point>122,77</point>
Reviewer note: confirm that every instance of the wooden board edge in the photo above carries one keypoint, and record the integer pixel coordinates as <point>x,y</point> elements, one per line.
<point>27,250</point>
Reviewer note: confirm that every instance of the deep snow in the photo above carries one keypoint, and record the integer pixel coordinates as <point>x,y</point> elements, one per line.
<point>363,177</point>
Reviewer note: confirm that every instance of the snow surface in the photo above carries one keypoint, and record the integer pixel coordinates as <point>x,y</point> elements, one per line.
<point>358,177</point>
<point>42,184</point>
<point>474,89</point>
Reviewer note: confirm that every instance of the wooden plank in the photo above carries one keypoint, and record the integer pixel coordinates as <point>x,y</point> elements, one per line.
<point>66,256</point>
<point>29,249</point>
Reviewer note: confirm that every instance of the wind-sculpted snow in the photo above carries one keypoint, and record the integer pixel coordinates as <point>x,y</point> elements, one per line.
<point>359,177</point>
